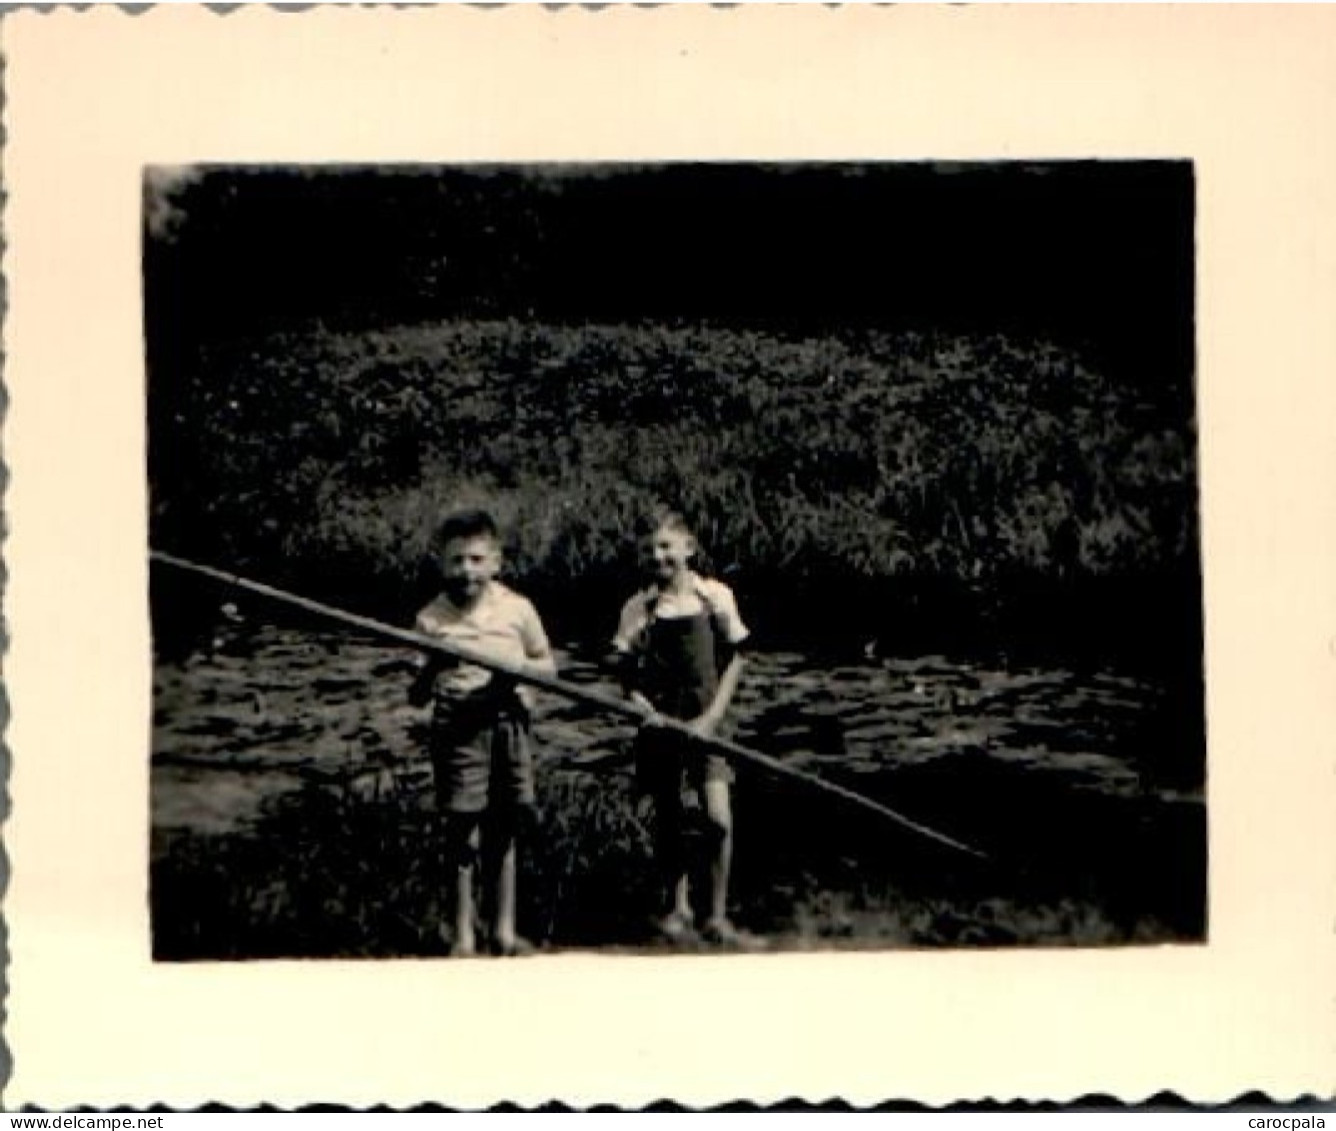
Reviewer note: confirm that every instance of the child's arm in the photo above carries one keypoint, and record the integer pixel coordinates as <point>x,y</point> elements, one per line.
<point>728,622</point>
<point>537,650</point>
<point>623,656</point>
<point>430,665</point>
<point>708,721</point>
<point>623,663</point>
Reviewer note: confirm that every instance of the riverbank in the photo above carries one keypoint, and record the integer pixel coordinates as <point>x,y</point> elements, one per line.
<point>292,814</point>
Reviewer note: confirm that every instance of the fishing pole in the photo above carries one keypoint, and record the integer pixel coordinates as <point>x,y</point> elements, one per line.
<point>577,693</point>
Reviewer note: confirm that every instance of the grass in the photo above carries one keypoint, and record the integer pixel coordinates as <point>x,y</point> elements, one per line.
<point>348,868</point>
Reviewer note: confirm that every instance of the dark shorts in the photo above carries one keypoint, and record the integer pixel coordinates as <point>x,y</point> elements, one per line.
<point>665,759</point>
<point>481,757</point>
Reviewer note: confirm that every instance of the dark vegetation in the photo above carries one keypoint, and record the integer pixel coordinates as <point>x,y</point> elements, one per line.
<point>911,410</point>
<point>331,872</point>
<point>952,403</point>
<point>921,490</point>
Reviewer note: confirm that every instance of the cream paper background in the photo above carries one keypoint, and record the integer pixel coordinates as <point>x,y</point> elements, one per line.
<point>1247,92</point>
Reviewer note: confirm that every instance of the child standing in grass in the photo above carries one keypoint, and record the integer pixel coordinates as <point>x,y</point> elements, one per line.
<point>679,644</point>
<point>480,742</point>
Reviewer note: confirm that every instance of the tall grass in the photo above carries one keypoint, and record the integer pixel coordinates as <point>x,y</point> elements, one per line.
<point>962,471</point>
<point>341,870</point>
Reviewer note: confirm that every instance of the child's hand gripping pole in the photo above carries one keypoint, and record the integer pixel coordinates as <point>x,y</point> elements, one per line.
<point>651,718</point>
<point>419,691</point>
<point>423,687</point>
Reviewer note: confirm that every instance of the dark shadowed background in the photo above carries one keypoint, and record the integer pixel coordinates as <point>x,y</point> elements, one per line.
<point>1099,253</point>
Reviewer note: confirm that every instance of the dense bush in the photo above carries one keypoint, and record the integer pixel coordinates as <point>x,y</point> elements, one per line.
<point>947,477</point>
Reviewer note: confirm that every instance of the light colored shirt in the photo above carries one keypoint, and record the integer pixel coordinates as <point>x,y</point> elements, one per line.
<point>704,593</point>
<point>502,625</point>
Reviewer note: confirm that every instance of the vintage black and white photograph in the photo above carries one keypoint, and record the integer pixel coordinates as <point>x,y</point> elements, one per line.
<point>674,559</point>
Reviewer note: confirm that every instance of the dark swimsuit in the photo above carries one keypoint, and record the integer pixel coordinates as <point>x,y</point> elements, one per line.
<point>679,673</point>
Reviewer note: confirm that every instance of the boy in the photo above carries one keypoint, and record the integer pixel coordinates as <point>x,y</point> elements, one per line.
<point>679,643</point>
<point>480,743</point>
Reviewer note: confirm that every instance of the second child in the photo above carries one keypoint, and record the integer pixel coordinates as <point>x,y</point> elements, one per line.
<point>679,643</point>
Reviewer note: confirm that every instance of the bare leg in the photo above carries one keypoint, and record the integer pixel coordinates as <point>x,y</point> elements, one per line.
<point>682,898</point>
<point>499,879</point>
<point>719,813</point>
<point>461,839</point>
<point>668,830</point>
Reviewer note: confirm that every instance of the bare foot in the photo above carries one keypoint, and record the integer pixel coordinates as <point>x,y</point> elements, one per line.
<point>514,946</point>
<point>722,932</point>
<point>676,927</point>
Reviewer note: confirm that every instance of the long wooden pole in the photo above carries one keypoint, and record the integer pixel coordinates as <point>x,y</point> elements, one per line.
<point>563,688</point>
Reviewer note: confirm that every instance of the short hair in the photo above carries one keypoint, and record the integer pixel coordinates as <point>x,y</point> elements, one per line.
<point>664,518</point>
<point>466,524</point>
